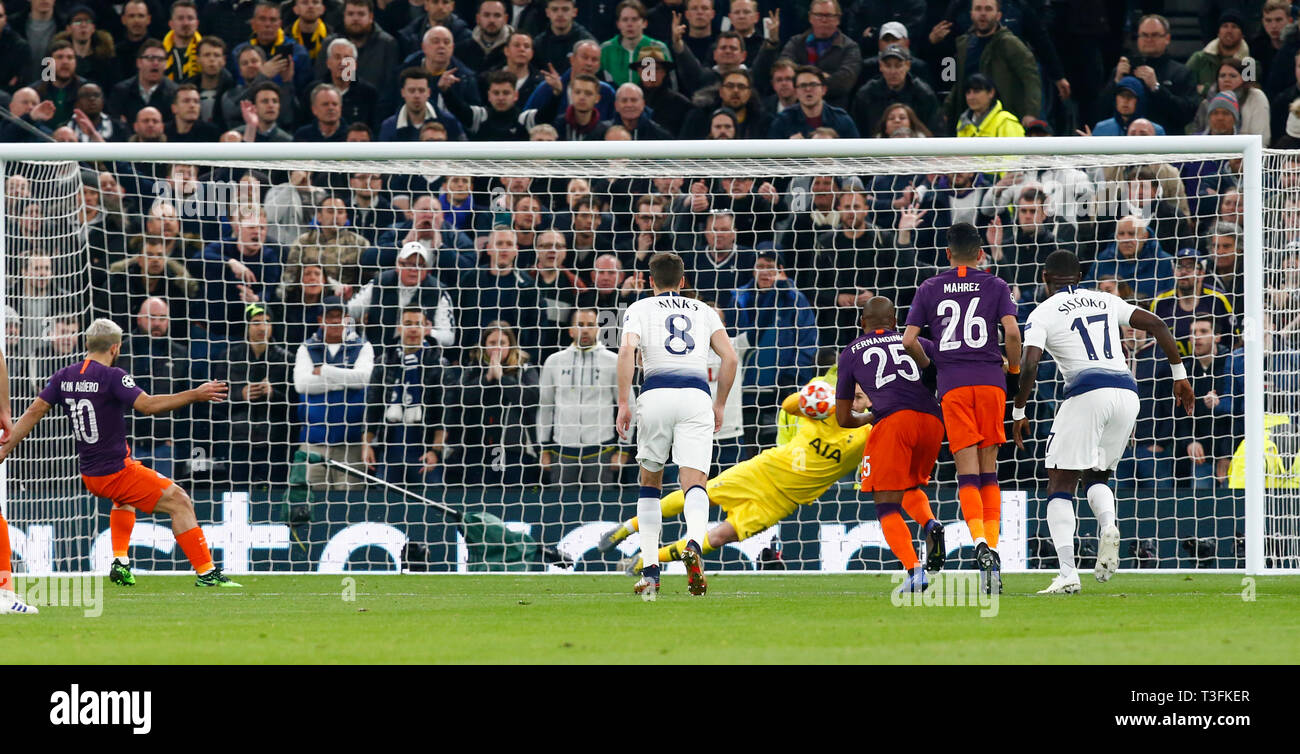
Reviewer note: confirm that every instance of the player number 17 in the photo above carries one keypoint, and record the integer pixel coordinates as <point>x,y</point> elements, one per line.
<point>1082,328</point>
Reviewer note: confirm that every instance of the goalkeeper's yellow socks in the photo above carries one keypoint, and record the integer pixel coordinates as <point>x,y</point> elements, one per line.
<point>972,505</point>
<point>991,495</point>
<point>896,533</point>
<point>6,566</point>
<point>120,524</point>
<point>669,553</point>
<point>195,547</point>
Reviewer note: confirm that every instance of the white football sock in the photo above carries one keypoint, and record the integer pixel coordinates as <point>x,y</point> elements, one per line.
<point>696,511</point>
<point>1102,501</point>
<point>1060,522</point>
<point>651,518</point>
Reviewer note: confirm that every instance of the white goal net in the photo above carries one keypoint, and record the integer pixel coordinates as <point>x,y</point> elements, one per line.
<point>444,319</point>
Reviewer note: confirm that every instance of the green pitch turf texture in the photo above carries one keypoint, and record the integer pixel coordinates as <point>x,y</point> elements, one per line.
<point>595,619</point>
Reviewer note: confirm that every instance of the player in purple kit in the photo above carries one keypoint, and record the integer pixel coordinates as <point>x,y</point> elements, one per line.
<point>963,307</point>
<point>96,396</point>
<point>905,438</point>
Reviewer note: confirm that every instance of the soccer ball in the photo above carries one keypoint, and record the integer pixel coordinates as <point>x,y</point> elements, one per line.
<point>817,399</point>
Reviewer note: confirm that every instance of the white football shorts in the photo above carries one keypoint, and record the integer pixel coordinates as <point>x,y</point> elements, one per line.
<point>679,419</point>
<point>1092,430</point>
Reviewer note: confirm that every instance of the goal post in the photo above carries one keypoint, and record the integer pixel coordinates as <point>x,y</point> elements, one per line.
<point>378,534</point>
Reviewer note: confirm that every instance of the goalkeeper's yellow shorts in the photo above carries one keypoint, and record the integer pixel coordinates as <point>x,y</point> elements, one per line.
<point>751,503</point>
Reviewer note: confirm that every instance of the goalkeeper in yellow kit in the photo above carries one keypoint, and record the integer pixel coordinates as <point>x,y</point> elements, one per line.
<point>757,493</point>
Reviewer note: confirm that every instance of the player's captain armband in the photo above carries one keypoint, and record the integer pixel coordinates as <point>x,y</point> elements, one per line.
<point>1017,413</point>
<point>1178,372</point>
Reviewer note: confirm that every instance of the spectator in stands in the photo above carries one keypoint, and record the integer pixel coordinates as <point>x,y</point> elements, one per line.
<point>617,53</point>
<point>1019,251</point>
<point>745,21</point>
<point>895,85</point>
<point>331,373</point>
<point>288,62</point>
<point>13,66</point>
<point>376,59</point>
<point>1192,298</point>
<point>899,118</point>
<point>498,291</point>
<point>856,262</point>
<point>1130,105</point>
<point>728,56</point>
<point>485,49</point>
<point>575,410</point>
<point>735,92</point>
<point>37,23</point>
<point>404,433</point>
<point>519,64</point>
<point>1170,88</point>
<point>895,34</point>
<point>1279,108</point>
<point>1004,60</point>
<point>581,120</point>
<point>62,88</point>
<point>417,110</point>
<point>554,97</point>
<point>654,74</point>
<point>187,124</point>
<point>89,118</point>
<point>327,116</point>
<point>148,88</point>
<point>1229,273</point>
<point>784,95</point>
<point>651,233</point>
<point>984,114</point>
<point>1200,437</point>
<point>491,413</point>
<point>610,292</point>
<point>500,120</point>
<point>436,59</point>
<point>781,325</point>
<point>136,27</point>
<point>436,13</point>
<point>242,270</point>
<point>629,104</point>
<point>1136,259</point>
<point>553,45</point>
<point>379,304</point>
<point>253,426</point>
<point>451,251</point>
<point>261,113</point>
<point>308,29</point>
<point>39,297</point>
<point>96,56</point>
<point>1264,46</point>
<point>331,245</point>
<point>251,62</point>
<point>699,37</point>
<point>301,305</point>
<point>719,266</point>
<point>1251,100</point>
<point>557,290</point>
<point>825,48</point>
<point>153,355</point>
<point>182,41</point>
<point>359,102</point>
<point>813,111</point>
<point>1229,44</point>
<point>150,274</point>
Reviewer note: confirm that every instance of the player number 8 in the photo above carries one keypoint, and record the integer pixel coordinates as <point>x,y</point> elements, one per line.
<point>679,333</point>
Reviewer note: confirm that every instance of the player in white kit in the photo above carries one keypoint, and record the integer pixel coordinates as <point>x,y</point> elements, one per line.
<point>675,410</point>
<point>1092,427</point>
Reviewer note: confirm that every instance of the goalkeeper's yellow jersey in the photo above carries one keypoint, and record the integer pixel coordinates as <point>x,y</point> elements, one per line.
<point>820,453</point>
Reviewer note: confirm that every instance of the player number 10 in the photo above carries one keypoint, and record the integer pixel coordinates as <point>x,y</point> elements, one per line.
<point>84,426</point>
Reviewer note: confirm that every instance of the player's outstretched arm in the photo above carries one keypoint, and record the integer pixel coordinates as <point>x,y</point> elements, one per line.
<point>727,376</point>
<point>626,369</point>
<point>847,418</point>
<point>6,417</point>
<point>1028,375</point>
<point>913,346</point>
<point>214,392</point>
<point>1145,320</point>
<point>25,425</point>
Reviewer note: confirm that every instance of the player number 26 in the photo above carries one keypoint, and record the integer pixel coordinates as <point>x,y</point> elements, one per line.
<point>973,330</point>
<point>906,367</point>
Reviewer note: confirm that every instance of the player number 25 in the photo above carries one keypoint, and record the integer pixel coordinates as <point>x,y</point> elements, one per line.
<point>973,330</point>
<point>907,368</point>
<point>84,426</point>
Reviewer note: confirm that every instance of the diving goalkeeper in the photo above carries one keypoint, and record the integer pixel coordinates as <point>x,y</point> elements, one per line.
<point>757,493</point>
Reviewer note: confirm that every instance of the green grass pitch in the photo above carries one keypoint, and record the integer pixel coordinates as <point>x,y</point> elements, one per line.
<point>744,619</point>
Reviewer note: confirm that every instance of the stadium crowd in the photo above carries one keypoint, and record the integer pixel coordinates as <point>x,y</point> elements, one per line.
<point>459,329</point>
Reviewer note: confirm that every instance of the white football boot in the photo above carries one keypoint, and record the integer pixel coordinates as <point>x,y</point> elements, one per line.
<point>1063,585</point>
<point>1107,554</point>
<point>12,604</point>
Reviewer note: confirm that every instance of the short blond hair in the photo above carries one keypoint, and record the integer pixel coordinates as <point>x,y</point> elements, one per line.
<point>102,335</point>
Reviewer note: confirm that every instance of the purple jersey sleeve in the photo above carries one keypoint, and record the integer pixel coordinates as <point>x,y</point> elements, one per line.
<point>122,387</point>
<point>845,380</point>
<point>52,394</point>
<point>918,313</point>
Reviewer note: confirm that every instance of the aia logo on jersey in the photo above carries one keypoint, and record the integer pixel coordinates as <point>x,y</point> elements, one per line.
<point>128,381</point>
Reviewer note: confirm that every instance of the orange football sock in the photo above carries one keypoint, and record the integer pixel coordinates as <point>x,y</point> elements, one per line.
<point>120,524</point>
<point>899,538</point>
<point>195,547</point>
<point>6,557</point>
<point>917,505</point>
<point>991,494</point>
<point>972,509</point>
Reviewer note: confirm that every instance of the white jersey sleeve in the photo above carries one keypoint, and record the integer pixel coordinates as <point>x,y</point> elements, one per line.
<point>1080,329</point>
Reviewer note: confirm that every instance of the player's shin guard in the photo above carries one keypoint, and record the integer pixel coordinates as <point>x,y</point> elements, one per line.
<point>195,547</point>
<point>1102,501</point>
<point>6,557</point>
<point>650,520</point>
<point>991,495</point>
<point>972,505</point>
<point>917,505</point>
<point>896,533</point>
<point>120,524</point>
<point>696,512</point>
<point>1060,522</point>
